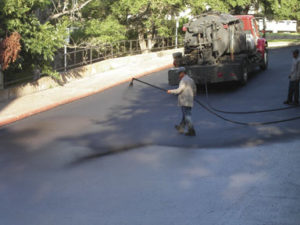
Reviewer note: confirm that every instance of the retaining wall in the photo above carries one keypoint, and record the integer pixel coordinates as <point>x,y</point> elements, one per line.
<point>90,70</point>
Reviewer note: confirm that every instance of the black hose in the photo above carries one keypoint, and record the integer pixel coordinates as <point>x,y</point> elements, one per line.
<point>221,117</point>
<point>133,79</point>
<point>244,112</point>
<point>243,123</point>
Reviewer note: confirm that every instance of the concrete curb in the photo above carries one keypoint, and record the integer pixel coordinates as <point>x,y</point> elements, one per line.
<point>77,97</point>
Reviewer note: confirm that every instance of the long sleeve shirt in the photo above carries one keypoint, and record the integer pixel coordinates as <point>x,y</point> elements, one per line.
<point>186,91</point>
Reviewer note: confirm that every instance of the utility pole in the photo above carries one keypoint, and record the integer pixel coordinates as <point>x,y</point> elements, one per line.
<point>176,32</point>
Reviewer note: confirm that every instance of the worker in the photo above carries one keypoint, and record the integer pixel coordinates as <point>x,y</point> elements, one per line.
<point>293,93</point>
<point>186,92</point>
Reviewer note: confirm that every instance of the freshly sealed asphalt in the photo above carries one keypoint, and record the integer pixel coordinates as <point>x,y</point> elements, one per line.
<point>115,158</point>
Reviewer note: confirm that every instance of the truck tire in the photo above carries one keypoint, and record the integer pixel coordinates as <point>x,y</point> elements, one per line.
<point>264,64</point>
<point>244,75</point>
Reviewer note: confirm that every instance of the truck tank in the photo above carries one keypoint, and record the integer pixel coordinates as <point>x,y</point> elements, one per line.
<point>209,37</point>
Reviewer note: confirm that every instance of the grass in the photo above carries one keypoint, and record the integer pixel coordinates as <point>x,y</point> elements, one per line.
<point>282,37</point>
<point>282,34</point>
<point>285,40</point>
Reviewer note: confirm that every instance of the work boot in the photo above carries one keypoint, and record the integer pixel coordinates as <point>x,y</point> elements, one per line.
<point>191,132</point>
<point>179,128</point>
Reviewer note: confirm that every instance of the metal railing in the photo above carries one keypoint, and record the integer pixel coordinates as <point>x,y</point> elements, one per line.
<point>70,58</point>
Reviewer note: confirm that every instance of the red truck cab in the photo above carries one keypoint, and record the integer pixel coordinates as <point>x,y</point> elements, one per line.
<point>250,24</point>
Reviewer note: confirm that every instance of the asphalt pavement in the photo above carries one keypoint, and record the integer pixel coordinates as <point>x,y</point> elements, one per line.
<point>115,158</point>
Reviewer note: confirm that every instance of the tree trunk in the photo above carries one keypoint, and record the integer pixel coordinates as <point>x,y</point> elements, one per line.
<point>151,41</point>
<point>142,42</point>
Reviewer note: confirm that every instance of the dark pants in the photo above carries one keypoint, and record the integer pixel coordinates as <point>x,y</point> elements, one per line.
<point>186,117</point>
<point>293,91</point>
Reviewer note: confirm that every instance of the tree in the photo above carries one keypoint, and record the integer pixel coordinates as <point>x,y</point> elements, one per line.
<point>67,7</point>
<point>278,9</point>
<point>230,6</point>
<point>42,25</point>
<point>97,9</point>
<point>39,40</point>
<point>282,9</point>
<point>148,19</point>
<point>97,25</point>
<point>200,6</point>
<point>9,50</point>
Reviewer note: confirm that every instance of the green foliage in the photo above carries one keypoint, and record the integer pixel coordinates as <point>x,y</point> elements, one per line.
<point>47,69</point>
<point>39,40</point>
<point>230,6</point>
<point>44,39</point>
<point>148,19</point>
<point>200,6</point>
<point>114,20</point>
<point>277,9</point>
<point>18,8</point>
<point>109,30</point>
<point>98,25</point>
<point>285,9</point>
<point>147,15</point>
<point>98,9</point>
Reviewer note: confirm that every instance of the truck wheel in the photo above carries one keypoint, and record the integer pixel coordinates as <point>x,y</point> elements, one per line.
<point>264,64</point>
<point>244,77</point>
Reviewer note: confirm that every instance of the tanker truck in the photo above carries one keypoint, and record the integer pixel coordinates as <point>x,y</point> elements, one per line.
<point>220,47</point>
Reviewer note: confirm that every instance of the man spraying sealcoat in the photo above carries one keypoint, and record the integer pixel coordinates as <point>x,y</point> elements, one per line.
<point>186,93</point>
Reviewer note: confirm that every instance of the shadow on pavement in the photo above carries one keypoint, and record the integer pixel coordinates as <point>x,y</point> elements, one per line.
<point>147,117</point>
<point>124,118</point>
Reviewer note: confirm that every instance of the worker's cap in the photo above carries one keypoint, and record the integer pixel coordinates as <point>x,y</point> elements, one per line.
<point>181,69</point>
<point>296,51</point>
